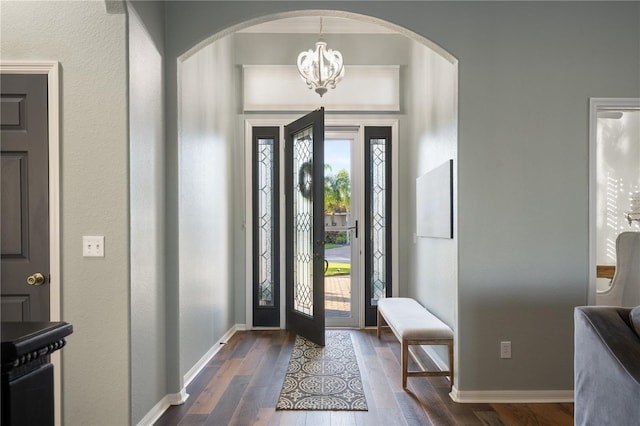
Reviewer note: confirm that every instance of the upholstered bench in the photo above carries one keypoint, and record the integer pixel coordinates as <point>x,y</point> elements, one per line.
<point>412,324</point>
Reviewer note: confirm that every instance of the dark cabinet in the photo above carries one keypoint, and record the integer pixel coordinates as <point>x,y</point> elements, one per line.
<point>27,372</point>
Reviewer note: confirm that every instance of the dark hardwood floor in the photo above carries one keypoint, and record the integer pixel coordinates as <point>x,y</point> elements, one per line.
<point>241,385</point>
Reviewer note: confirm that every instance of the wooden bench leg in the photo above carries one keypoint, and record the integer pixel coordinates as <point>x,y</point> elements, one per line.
<point>379,325</point>
<point>405,363</point>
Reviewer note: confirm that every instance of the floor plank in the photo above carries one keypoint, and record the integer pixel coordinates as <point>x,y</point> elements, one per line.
<point>224,410</point>
<point>241,386</point>
<point>210,396</point>
<point>534,414</point>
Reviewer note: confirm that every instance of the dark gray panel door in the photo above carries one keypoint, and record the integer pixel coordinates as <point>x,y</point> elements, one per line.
<point>24,193</point>
<point>304,186</point>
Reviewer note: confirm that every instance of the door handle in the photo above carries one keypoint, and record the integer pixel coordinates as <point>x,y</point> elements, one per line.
<point>354,227</point>
<point>35,279</point>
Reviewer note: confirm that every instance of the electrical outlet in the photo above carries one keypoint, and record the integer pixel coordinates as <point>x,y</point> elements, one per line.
<point>505,349</point>
<point>93,246</point>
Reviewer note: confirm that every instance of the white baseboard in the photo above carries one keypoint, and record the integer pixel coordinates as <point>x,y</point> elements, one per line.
<point>497,396</point>
<point>179,398</point>
<point>154,414</point>
<point>197,368</point>
<point>511,397</point>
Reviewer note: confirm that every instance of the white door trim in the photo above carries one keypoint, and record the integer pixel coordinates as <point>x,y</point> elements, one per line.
<point>51,69</point>
<point>595,105</point>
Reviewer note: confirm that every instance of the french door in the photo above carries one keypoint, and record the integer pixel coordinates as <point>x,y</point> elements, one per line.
<point>304,214</point>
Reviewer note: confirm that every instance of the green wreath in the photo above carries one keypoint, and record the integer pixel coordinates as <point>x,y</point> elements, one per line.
<point>305,180</point>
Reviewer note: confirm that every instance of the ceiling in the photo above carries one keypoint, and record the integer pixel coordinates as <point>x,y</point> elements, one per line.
<point>311,25</point>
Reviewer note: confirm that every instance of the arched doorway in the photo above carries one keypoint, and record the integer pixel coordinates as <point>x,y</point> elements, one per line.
<point>213,165</point>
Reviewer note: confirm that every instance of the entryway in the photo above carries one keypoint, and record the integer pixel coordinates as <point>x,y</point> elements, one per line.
<point>353,245</point>
<point>242,79</point>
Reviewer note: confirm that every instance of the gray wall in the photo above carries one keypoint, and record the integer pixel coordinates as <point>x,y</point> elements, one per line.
<point>428,266</point>
<point>91,45</point>
<point>526,74</point>
<point>207,118</point>
<point>146,170</point>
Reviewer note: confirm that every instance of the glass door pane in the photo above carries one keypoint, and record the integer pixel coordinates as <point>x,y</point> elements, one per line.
<point>303,222</point>
<point>340,225</point>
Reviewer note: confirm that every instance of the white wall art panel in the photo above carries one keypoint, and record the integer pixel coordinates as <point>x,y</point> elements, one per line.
<point>434,199</point>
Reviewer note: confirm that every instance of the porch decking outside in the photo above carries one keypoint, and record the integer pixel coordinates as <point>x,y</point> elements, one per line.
<point>337,290</point>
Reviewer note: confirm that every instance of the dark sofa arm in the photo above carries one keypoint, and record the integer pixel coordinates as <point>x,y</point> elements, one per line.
<point>607,367</point>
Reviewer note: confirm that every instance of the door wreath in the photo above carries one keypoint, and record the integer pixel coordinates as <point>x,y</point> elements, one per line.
<point>305,180</point>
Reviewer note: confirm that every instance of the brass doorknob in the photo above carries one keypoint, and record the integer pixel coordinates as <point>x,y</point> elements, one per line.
<point>36,279</point>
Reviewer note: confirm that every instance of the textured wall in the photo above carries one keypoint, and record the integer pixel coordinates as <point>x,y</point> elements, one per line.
<point>523,178</point>
<point>429,266</point>
<point>146,171</point>
<point>90,45</point>
<point>207,116</point>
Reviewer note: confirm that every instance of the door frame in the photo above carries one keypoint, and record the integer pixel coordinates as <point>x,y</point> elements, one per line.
<point>331,120</point>
<point>596,105</point>
<point>52,70</point>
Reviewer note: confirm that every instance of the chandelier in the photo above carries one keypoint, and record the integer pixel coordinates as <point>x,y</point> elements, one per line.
<point>321,69</point>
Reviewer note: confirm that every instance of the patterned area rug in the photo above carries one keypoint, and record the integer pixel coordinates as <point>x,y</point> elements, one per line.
<point>323,378</point>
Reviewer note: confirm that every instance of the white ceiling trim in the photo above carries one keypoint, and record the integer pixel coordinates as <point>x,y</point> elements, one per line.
<point>311,25</point>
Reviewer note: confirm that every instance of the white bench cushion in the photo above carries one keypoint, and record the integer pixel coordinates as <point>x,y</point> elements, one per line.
<point>410,320</point>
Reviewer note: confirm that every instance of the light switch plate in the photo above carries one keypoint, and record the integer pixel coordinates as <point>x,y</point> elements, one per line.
<point>505,349</point>
<point>93,246</point>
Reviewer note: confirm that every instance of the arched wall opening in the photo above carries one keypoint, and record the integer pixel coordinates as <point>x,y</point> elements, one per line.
<point>212,213</point>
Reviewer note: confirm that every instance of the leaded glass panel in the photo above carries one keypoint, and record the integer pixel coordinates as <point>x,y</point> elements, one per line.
<point>303,222</point>
<point>265,211</point>
<point>377,156</point>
